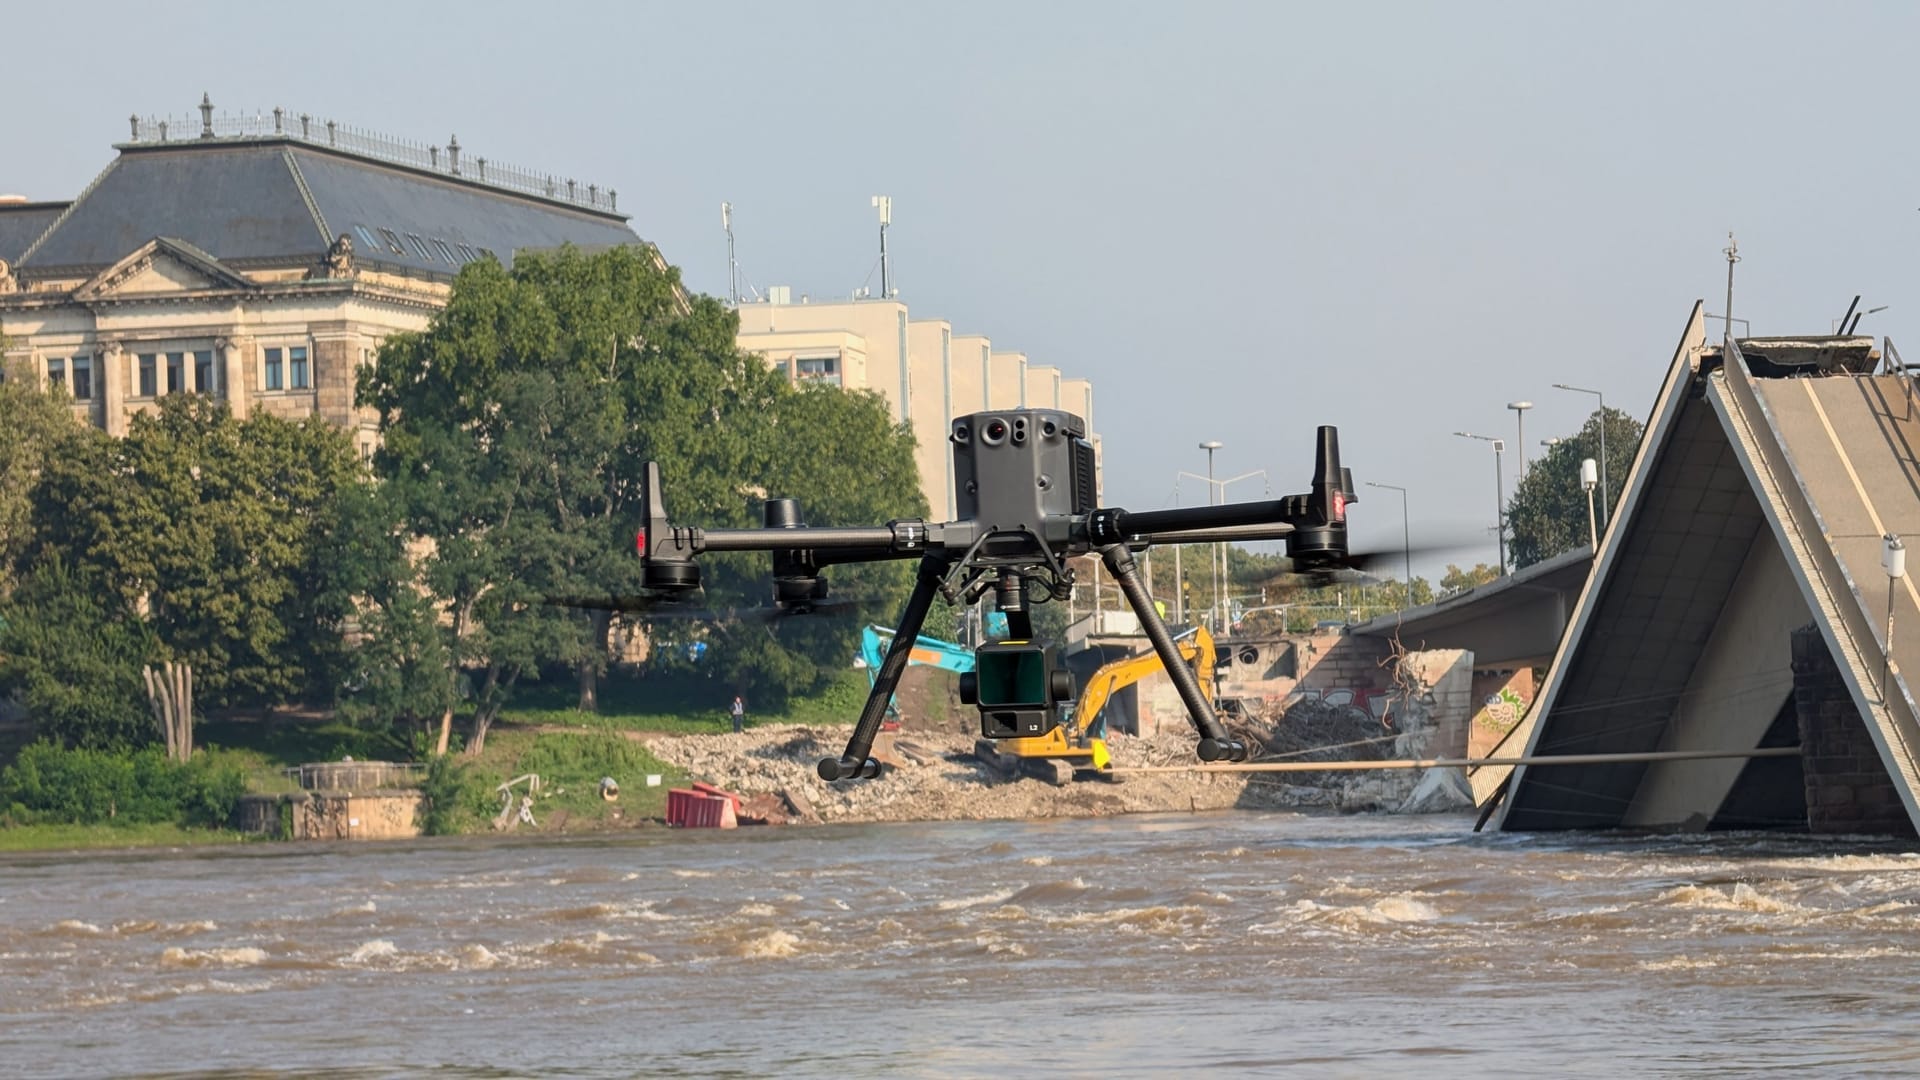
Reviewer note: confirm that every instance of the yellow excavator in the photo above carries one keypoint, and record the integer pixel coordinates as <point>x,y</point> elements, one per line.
<point>1078,746</point>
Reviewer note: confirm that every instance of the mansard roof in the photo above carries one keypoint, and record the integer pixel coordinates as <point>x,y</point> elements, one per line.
<point>22,223</point>
<point>281,201</point>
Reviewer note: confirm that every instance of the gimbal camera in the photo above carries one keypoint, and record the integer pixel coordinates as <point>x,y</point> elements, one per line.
<point>1025,492</point>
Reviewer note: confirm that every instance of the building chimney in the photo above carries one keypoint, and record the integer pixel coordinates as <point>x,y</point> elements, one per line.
<point>331,140</point>
<point>279,115</point>
<point>593,194</point>
<point>206,116</point>
<point>613,199</point>
<point>482,163</point>
<point>133,121</point>
<point>306,126</point>
<point>433,155</point>
<point>163,131</point>
<point>453,154</point>
<point>570,196</point>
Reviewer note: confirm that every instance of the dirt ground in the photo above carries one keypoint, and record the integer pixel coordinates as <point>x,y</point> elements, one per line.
<point>940,779</point>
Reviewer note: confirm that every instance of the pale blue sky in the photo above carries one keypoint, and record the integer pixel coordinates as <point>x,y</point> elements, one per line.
<point>1239,220</point>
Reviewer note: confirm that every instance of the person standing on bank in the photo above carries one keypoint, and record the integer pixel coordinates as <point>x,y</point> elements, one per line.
<point>739,711</point>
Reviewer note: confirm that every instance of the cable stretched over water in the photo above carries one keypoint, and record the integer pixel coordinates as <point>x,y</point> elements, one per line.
<point>1442,763</point>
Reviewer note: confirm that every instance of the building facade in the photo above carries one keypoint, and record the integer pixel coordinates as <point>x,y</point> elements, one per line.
<point>261,262</point>
<point>926,373</point>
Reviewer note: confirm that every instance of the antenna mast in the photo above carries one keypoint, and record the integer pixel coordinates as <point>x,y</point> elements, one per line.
<point>884,203</point>
<point>733,264</point>
<point>1732,251</point>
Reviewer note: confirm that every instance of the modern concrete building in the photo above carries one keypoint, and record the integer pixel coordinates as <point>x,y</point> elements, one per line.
<point>1743,604</point>
<point>261,260</point>
<point>927,374</point>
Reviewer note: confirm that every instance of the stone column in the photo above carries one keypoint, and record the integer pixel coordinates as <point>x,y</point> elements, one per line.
<point>1848,787</point>
<point>113,376</point>
<point>233,376</point>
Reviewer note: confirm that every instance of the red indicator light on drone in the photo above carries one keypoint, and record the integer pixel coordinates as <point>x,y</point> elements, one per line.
<point>640,543</point>
<point>1339,506</point>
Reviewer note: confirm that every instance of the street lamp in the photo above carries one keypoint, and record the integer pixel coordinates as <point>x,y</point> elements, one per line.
<point>1499,494</point>
<point>1588,476</point>
<point>1406,536</point>
<point>1213,555</point>
<point>1213,486</point>
<point>1520,442</point>
<point>1606,492</point>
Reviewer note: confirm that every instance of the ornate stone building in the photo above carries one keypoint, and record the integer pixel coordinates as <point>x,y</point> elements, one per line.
<point>261,260</point>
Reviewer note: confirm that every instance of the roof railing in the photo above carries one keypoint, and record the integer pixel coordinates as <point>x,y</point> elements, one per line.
<point>448,160</point>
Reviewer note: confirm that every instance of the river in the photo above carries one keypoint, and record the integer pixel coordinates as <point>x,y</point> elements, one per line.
<point>1230,944</point>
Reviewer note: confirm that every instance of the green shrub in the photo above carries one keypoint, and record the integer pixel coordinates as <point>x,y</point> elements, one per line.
<point>454,796</point>
<point>48,784</point>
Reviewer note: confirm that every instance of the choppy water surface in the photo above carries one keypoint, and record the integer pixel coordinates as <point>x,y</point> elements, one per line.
<point>1233,944</point>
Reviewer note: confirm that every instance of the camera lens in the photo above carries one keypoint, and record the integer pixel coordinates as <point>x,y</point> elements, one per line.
<point>961,433</point>
<point>994,433</point>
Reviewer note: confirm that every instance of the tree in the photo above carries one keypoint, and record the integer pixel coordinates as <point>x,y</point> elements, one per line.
<point>35,427</point>
<point>515,431</point>
<point>72,656</point>
<point>1457,580</point>
<point>397,669</point>
<point>211,527</point>
<point>846,462</point>
<point>1548,511</point>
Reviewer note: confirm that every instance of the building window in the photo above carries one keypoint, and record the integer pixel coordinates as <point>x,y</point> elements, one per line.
<point>56,373</point>
<point>446,252</point>
<point>204,378</point>
<point>149,377</point>
<point>419,246</point>
<point>393,241</point>
<point>83,378</point>
<point>821,369</point>
<point>297,368</point>
<point>176,372</point>
<point>273,373</point>
<point>467,254</point>
<point>366,238</point>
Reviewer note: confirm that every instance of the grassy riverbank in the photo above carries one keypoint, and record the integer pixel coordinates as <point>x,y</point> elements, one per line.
<point>543,734</point>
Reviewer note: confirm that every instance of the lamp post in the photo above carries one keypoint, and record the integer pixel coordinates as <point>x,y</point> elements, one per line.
<point>1499,494</point>
<point>1213,486</point>
<point>1406,535</point>
<point>1893,559</point>
<point>1520,432</point>
<point>1606,492</point>
<point>1213,554</point>
<point>1588,477</point>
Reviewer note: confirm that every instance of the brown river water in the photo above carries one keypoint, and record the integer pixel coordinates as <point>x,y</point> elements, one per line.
<point>1220,944</point>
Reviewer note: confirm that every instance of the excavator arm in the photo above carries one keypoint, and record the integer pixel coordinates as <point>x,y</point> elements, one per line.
<point>1075,745</point>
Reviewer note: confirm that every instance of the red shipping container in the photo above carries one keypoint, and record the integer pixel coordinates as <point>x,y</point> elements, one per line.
<point>699,810</point>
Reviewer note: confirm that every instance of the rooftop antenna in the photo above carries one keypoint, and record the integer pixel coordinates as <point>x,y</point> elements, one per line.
<point>884,203</point>
<point>733,264</point>
<point>1732,251</point>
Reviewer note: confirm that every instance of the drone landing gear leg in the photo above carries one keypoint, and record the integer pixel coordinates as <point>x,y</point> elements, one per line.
<point>853,762</point>
<point>1215,742</point>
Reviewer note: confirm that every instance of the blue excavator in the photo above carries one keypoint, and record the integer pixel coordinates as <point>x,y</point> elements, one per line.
<point>931,652</point>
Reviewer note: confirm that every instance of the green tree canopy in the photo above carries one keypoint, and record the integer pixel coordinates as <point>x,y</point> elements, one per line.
<point>35,427</point>
<point>1548,511</point>
<point>72,658</point>
<point>213,529</point>
<point>515,437</point>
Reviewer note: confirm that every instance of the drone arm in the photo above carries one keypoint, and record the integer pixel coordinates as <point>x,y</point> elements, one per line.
<point>1225,534</point>
<point>1216,743</point>
<point>876,541</point>
<point>853,762</point>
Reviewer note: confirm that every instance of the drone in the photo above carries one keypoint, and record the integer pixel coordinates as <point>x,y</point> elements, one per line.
<point>1025,492</point>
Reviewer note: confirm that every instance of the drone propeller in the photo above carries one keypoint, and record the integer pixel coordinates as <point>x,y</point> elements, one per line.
<point>1365,567</point>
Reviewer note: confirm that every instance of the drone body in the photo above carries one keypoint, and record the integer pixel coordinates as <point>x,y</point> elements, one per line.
<point>1027,503</point>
